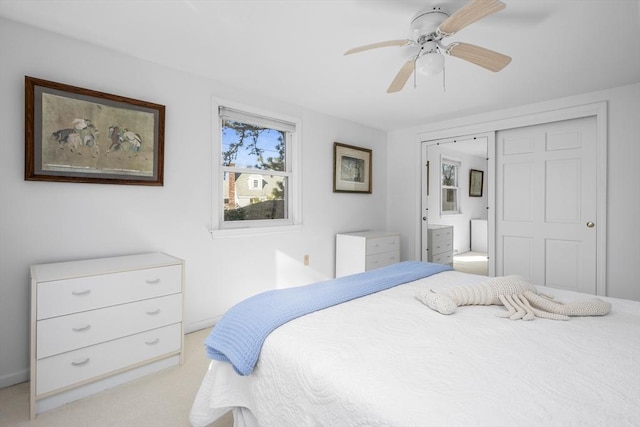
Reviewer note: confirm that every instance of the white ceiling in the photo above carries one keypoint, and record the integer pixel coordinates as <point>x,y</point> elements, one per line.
<point>292,50</point>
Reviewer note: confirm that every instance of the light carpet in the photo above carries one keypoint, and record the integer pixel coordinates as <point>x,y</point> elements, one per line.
<point>162,399</point>
<point>471,262</point>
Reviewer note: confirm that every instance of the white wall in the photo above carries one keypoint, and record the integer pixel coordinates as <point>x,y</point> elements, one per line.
<point>49,222</point>
<point>623,177</point>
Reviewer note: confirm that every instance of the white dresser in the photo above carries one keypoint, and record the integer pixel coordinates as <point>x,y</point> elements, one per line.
<point>440,243</point>
<point>366,250</point>
<point>101,322</point>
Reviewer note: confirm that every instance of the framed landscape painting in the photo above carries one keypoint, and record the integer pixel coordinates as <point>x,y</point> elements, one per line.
<point>351,169</point>
<point>80,135</point>
<point>476,178</point>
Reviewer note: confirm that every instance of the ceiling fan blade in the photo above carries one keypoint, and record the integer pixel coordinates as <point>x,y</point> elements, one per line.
<point>403,75</point>
<point>378,45</point>
<point>492,61</point>
<point>468,14</point>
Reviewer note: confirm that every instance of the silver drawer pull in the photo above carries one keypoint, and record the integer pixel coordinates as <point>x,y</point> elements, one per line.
<point>152,342</point>
<point>81,329</point>
<point>81,293</point>
<point>154,312</point>
<point>153,281</point>
<point>81,362</point>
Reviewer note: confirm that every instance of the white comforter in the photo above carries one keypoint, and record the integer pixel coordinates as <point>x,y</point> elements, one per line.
<point>388,360</point>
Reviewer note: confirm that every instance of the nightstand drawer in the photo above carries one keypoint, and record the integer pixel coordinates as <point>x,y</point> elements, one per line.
<point>60,297</point>
<point>84,364</point>
<point>65,333</point>
<point>383,244</point>
<point>382,260</point>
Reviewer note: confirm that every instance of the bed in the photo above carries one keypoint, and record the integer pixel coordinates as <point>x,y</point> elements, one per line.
<point>386,359</point>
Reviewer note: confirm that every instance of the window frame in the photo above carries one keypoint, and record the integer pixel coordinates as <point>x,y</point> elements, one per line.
<point>457,164</point>
<point>293,222</point>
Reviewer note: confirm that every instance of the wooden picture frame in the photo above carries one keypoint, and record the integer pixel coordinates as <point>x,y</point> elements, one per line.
<point>476,178</point>
<point>80,135</point>
<point>352,171</point>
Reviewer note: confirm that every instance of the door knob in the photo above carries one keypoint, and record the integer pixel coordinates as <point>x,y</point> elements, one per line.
<point>590,224</point>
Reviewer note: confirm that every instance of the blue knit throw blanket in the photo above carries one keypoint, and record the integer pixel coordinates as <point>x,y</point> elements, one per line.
<point>237,338</point>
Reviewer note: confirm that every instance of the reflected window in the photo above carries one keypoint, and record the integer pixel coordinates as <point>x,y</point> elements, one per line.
<point>449,184</point>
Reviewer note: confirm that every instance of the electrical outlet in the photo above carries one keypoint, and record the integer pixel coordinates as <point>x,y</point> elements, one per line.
<point>306,260</point>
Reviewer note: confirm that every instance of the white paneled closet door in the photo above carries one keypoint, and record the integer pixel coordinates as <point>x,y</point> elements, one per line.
<point>546,204</point>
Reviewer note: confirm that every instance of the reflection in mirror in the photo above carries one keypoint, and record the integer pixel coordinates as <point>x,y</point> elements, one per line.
<point>449,201</point>
<point>471,262</point>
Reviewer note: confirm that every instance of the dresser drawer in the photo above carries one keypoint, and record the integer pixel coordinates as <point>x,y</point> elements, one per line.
<point>444,233</point>
<point>84,364</point>
<point>383,244</point>
<point>60,297</point>
<point>65,333</point>
<point>382,260</point>
<point>442,258</point>
<point>441,246</point>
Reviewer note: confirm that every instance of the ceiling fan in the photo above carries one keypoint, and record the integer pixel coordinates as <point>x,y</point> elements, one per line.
<point>427,30</point>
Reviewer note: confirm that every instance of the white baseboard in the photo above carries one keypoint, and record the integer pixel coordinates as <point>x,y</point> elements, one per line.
<point>201,324</point>
<point>14,378</point>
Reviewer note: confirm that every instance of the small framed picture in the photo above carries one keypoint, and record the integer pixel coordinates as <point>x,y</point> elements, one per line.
<point>80,135</point>
<point>351,169</point>
<point>475,183</point>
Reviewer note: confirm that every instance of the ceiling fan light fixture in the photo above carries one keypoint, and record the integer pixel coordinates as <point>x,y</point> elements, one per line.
<point>428,28</point>
<point>430,63</point>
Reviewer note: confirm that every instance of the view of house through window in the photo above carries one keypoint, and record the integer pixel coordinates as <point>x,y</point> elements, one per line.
<point>449,186</point>
<point>255,169</point>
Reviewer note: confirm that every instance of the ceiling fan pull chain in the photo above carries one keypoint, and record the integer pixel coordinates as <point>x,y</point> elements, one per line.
<point>444,85</point>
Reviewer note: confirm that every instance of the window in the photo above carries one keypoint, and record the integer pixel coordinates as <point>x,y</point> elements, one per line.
<point>254,182</point>
<point>257,179</point>
<point>449,194</point>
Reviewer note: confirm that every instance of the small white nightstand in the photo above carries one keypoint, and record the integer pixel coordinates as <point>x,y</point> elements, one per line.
<point>366,250</point>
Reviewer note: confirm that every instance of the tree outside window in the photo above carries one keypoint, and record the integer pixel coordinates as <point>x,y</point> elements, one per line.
<point>256,171</point>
